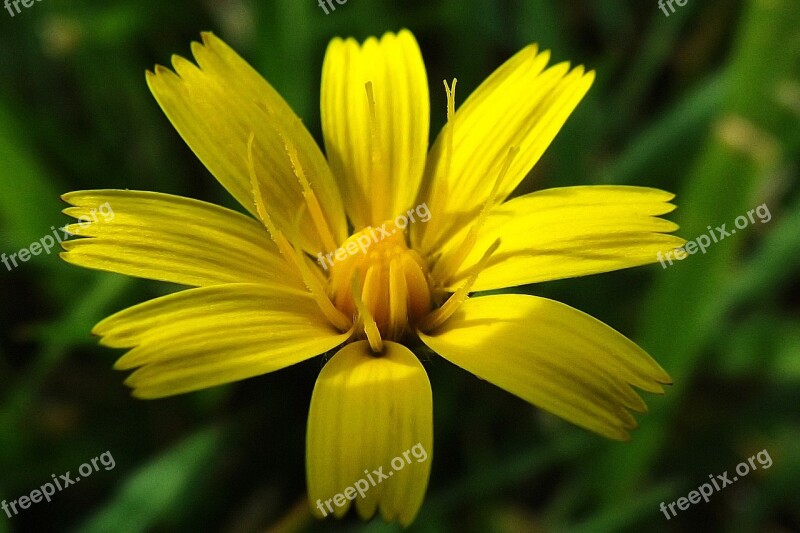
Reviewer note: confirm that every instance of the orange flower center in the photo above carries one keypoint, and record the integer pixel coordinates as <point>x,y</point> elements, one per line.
<point>375,273</point>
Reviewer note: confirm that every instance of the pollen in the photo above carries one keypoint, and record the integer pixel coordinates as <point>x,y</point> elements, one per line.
<point>388,278</point>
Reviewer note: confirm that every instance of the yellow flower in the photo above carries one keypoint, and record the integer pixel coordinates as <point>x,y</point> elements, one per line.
<point>375,247</point>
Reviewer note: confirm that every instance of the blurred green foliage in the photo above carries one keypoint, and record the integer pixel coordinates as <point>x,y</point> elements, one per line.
<point>705,103</point>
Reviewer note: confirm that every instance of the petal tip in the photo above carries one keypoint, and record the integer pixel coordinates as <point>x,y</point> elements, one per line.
<point>140,394</point>
<point>208,37</point>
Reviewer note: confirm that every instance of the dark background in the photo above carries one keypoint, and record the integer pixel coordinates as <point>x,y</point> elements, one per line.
<point>704,103</point>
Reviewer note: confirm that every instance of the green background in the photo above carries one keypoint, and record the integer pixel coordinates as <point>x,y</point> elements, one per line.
<point>704,103</point>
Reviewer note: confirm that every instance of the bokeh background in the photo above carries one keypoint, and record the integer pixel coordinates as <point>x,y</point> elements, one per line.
<point>704,103</point>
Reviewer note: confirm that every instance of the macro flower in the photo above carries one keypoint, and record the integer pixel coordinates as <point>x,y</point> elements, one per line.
<point>332,260</point>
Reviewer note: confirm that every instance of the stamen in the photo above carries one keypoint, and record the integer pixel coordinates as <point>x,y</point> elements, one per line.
<point>380,174</point>
<point>280,240</point>
<point>451,98</point>
<point>311,200</point>
<point>336,317</point>
<point>440,316</point>
<point>450,133</point>
<point>370,326</point>
<point>314,207</point>
<point>293,256</point>
<point>440,193</point>
<point>444,269</point>
<point>296,228</point>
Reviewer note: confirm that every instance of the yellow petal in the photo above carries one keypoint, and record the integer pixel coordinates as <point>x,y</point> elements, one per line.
<point>203,337</point>
<point>568,232</point>
<point>170,238</point>
<point>553,356</point>
<point>217,106</point>
<point>367,411</point>
<point>522,104</point>
<point>379,180</point>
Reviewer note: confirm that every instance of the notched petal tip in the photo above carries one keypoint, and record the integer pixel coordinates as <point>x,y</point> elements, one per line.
<point>102,328</point>
<point>67,196</point>
<point>337,42</point>
<point>669,208</point>
<point>619,432</point>
<point>124,363</point>
<point>198,49</point>
<point>160,71</point>
<point>74,210</point>
<point>68,247</point>
<point>590,384</point>
<point>534,48</point>
<point>182,66</point>
<point>560,70</point>
<point>533,52</point>
<point>364,411</point>
<point>140,394</point>
<point>664,383</point>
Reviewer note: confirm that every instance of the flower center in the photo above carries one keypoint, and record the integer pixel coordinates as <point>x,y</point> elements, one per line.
<point>374,272</point>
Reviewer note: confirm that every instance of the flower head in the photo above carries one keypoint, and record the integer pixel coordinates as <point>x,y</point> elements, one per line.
<point>372,248</point>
